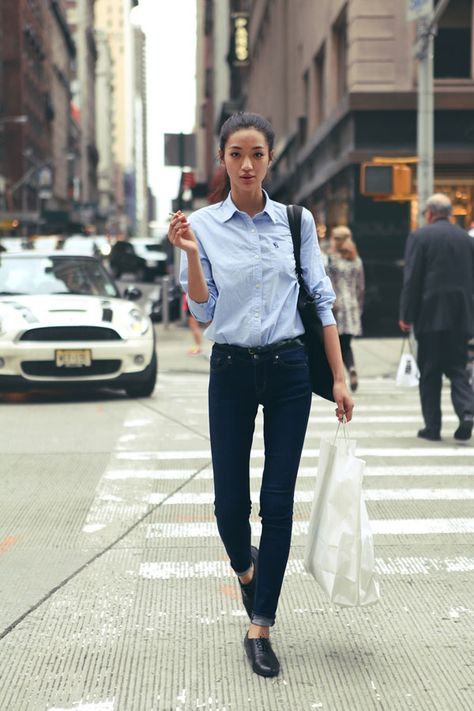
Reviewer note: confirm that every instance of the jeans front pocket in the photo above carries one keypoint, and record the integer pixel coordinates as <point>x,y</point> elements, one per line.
<point>220,361</point>
<point>291,359</point>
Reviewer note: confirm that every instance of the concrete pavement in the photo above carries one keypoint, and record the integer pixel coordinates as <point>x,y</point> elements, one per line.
<point>130,603</point>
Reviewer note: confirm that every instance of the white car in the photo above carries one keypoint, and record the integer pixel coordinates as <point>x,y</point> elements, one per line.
<point>63,321</point>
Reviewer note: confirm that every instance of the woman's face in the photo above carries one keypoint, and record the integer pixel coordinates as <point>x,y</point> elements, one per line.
<point>246,158</point>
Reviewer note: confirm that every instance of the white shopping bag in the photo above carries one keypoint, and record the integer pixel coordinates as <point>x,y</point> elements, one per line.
<point>340,550</point>
<point>408,375</point>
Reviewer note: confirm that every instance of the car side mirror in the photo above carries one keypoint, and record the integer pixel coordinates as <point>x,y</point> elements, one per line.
<point>132,293</point>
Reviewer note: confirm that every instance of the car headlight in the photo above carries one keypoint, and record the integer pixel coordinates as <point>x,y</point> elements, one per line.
<point>138,322</point>
<point>105,250</point>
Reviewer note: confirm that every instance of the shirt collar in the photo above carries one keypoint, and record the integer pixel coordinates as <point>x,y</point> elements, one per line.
<point>228,209</point>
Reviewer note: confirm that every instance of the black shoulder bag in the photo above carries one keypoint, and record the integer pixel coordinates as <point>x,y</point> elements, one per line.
<point>321,375</point>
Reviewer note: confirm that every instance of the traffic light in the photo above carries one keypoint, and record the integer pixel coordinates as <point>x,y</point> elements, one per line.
<point>389,180</point>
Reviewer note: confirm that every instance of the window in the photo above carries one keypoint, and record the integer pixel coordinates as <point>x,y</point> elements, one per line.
<point>453,42</point>
<point>305,93</point>
<point>319,83</point>
<point>340,53</point>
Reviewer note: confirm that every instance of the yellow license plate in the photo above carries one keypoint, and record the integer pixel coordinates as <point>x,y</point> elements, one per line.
<point>80,358</point>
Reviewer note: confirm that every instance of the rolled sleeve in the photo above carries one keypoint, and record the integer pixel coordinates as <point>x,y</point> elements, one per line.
<point>202,312</point>
<point>314,274</point>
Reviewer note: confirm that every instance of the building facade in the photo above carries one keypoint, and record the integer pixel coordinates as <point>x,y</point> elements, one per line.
<point>64,149</point>
<point>25,93</point>
<point>80,17</point>
<point>104,89</point>
<point>338,80</point>
<point>113,18</point>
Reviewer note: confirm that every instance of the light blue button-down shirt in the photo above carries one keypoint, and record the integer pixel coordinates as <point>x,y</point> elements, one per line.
<point>249,268</point>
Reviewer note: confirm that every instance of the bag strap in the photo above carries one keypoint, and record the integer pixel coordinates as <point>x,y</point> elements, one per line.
<point>294,213</point>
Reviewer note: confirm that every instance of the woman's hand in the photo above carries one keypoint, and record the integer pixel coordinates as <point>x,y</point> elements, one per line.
<point>181,235</point>
<point>344,401</point>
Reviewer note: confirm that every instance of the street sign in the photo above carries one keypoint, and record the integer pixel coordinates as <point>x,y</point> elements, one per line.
<point>180,149</point>
<point>418,8</point>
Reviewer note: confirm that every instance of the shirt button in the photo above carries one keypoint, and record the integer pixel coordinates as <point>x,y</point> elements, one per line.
<point>257,286</point>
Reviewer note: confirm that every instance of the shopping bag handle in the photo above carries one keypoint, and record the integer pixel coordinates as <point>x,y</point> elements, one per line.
<point>406,341</point>
<point>345,425</point>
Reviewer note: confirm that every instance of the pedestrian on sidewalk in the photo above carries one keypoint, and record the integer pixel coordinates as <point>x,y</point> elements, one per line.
<point>238,270</point>
<point>346,272</point>
<point>437,301</point>
<point>195,329</point>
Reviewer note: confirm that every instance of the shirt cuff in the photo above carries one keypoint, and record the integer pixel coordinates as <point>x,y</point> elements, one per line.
<point>202,312</point>
<point>327,317</point>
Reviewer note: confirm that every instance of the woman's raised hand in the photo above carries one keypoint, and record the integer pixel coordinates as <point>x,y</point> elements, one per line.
<point>181,235</point>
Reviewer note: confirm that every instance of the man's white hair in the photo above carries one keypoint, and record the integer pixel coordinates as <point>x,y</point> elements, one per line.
<point>439,204</point>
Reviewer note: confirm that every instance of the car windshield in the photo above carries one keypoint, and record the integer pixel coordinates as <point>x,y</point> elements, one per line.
<point>54,275</point>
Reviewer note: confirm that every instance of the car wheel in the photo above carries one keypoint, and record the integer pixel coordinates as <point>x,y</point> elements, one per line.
<point>145,387</point>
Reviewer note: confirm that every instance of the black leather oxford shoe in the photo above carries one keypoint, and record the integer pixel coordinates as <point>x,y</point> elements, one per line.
<point>464,431</point>
<point>248,589</point>
<point>432,435</point>
<point>261,656</point>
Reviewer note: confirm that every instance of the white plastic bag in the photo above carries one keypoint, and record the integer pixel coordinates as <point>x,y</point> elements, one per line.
<point>408,375</point>
<point>340,550</point>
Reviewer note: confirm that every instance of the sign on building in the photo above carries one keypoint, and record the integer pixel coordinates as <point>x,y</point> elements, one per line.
<point>240,39</point>
<point>180,149</point>
<point>418,8</point>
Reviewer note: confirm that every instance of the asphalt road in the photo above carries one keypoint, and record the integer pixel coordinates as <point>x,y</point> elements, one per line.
<point>116,593</point>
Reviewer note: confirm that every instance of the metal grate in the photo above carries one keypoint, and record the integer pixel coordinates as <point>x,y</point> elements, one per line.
<point>47,368</point>
<point>71,333</point>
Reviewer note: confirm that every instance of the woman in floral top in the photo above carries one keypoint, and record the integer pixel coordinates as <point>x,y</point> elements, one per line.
<point>346,272</point>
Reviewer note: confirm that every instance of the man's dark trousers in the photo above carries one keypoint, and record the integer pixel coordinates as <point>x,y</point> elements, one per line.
<point>443,352</point>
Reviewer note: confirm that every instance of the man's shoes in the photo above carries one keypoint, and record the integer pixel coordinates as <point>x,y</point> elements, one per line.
<point>248,589</point>
<point>432,435</point>
<point>261,656</point>
<point>464,431</point>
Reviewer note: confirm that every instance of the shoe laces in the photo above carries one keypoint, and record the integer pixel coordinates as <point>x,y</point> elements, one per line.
<point>263,644</point>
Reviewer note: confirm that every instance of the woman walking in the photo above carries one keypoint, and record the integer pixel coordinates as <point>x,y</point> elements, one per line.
<point>346,272</point>
<point>238,270</point>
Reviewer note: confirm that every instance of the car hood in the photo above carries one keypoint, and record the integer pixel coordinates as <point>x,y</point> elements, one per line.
<point>70,309</point>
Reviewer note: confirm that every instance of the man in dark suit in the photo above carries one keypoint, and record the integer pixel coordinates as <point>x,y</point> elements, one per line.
<point>437,300</point>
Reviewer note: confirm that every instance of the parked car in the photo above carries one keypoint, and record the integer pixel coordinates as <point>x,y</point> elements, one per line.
<point>63,321</point>
<point>140,256</point>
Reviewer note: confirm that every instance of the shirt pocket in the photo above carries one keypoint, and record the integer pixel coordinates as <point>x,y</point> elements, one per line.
<point>278,250</point>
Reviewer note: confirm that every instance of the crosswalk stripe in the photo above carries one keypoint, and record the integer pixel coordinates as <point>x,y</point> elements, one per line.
<point>460,451</point>
<point>414,470</point>
<point>305,496</point>
<point>405,565</point>
<point>380,527</point>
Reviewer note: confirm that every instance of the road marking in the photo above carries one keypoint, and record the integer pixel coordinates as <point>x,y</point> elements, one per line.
<point>305,496</point>
<point>7,543</point>
<point>406,565</point>
<point>380,527</point>
<point>414,470</point>
<point>82,706</point>
<point>461,451</point>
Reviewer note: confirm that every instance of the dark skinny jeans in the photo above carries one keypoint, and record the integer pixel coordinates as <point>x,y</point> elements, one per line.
<point>240,381</point>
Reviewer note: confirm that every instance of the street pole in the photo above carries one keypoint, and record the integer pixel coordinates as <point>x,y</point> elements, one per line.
<point>425,118</point>
<point>424,52</point>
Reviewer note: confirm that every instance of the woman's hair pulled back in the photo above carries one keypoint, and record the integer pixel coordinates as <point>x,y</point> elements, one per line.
<point>239,121</point>
<point>243,120</point>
